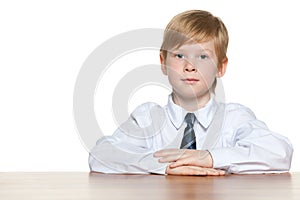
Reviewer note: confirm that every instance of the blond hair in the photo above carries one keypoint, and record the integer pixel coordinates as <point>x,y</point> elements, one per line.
<point>199,26</point>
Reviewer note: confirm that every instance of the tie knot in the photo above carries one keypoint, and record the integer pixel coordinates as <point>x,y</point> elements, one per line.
<point>190,119</point>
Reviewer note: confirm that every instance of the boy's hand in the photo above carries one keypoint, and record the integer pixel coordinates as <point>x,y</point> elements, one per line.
<point>185,157</point>
<point>194,170</point>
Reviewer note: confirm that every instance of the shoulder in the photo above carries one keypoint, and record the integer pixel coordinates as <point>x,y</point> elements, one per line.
<point>148,114</point>
<point>236,115</point>
<point>238,110</point>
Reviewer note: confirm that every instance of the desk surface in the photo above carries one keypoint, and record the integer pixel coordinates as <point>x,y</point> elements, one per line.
<point>82,185</point>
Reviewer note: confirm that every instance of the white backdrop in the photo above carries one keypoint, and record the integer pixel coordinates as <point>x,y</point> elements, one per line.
<point>43,45</point>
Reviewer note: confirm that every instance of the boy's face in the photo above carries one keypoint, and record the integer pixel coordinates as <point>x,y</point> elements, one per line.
<point>192,69</point>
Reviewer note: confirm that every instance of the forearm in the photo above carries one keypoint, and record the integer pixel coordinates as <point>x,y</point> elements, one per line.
<point>107,157</point>
<point>247,157</point>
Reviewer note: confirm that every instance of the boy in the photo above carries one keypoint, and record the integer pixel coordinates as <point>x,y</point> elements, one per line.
<point>193,134</point>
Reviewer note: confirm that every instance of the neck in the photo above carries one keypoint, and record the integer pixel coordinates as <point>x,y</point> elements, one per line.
<point>191,104</point>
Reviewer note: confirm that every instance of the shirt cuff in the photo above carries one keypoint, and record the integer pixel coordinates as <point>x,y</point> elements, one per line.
<point>161,171</point>
<point>220,161</point>
<point>154,166</point>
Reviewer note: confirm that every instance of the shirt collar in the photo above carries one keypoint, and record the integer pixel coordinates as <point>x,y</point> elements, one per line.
<point>204,115</point>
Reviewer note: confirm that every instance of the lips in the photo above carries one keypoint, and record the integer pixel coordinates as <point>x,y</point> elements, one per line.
<point>190,80</point>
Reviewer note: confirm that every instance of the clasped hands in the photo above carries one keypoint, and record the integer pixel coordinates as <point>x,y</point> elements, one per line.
<point>188,162</point>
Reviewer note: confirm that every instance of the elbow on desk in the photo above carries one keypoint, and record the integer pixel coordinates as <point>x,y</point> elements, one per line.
<point>93,164</point>
<point>97,166</point>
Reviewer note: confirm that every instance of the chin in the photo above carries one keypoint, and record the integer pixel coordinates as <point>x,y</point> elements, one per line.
<point>190,96</point>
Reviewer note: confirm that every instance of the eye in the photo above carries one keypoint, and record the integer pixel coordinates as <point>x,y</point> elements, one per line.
<point>179,56</point>
<point>203,56</point>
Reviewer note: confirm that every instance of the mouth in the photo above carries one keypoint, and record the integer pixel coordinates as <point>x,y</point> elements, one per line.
<point>190,80</point>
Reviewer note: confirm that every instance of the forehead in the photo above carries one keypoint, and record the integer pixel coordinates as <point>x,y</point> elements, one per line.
<point>196,47</point>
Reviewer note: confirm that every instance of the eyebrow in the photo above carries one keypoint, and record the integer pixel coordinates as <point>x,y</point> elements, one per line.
<point>178,49</point>
<point>208,50</point>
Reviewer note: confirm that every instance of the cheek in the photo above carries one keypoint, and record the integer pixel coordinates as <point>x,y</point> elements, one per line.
<point>208,73</point>
<point>173,75</point>
<point>173,65</point>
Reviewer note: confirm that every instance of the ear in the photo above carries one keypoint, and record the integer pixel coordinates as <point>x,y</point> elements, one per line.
<point>163,64</point>
<point>222,68</point>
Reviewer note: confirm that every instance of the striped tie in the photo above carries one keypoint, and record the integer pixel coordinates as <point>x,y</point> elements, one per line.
<point>189,138</point>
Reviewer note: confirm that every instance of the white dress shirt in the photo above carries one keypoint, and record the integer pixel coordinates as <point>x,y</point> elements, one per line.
<point>236,140</point>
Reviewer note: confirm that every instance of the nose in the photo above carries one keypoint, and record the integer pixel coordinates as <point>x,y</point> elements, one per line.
<point>189,67</point>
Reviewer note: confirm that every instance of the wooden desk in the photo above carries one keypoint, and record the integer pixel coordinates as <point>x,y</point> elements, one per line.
<point>81,185</point>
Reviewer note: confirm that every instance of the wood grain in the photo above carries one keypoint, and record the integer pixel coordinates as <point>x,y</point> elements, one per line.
<point>82,185</point>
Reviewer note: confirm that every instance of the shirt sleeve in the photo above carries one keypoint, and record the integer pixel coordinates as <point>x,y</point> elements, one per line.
<point>129,149</point>
<point>249,146</point>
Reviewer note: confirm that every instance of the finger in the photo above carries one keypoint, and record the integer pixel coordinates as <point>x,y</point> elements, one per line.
<point>186,170</point>
<point>175,156</point>
<point>167,152</point>
<point>197,171</point>
<point>194,170</point>
<point>214,172</point>
<point>170,158</point>
<point>222,172</point>
<point>189,158</point>
<point>182,162</point>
